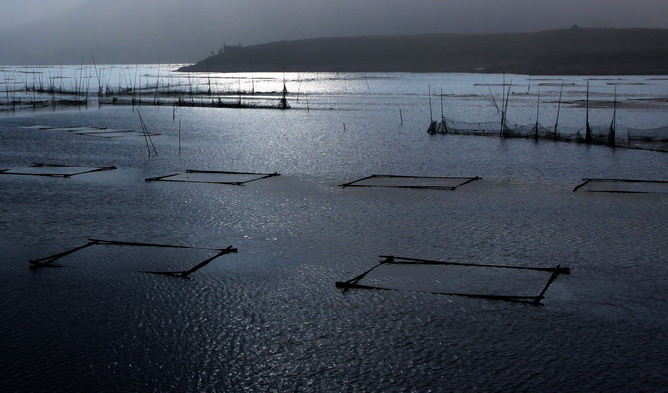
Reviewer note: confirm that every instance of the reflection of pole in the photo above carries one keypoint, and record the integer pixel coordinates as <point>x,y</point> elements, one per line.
<point>535,135</point>
<point>432,124</point>
<point>441,104</point>
<point>442,127</point>
<point>284,99</point>
<point>611,135</point>
<point>143,129</point>
<point>431,116</point>
<point>588,128</point>
<point>556,122</point>
<point>504,112</point>
<point>503,97</point>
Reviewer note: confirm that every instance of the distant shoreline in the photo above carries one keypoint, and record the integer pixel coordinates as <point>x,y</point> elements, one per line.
<point>574,51</point>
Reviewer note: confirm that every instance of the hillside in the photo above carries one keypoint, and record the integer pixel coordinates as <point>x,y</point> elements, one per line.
<point>574,51</point>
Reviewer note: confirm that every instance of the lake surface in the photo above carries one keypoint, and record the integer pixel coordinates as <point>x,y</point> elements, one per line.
<point>269,317</point>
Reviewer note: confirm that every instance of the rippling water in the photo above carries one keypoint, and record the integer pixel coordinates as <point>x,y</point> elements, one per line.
<point>269,317</point>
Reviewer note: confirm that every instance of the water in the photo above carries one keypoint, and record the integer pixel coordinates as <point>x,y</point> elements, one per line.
<point>269,317</point>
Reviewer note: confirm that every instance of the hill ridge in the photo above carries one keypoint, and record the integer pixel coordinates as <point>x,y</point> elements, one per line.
<point>574,51</point>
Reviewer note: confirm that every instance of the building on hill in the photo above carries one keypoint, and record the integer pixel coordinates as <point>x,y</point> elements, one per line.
<point>229,48</point>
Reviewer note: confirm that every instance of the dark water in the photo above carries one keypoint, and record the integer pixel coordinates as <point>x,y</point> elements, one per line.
<point>269,317</point>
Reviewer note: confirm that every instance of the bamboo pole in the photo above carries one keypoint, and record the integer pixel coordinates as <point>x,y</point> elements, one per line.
<point>354,280</point>
<point>556,122</point>
<point>612,134</point>
<point>442,115</point>
<point>97,74</point>
<point>553,276</point>
<point>503,113</point>
<point>157,84</point>
<point>187,273</point>
<point>46,262</point>
<point>141,122</point>
<point>145,244</point>
<point>507,298</point>
<point>431,116</point>
<point>628,180</point>
<point>200,265</point>
<point>504,121</point>
<point>416,261</point>
<point>585,181</point>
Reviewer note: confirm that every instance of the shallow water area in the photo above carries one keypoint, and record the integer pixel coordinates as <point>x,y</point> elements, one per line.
<point>269,318</point>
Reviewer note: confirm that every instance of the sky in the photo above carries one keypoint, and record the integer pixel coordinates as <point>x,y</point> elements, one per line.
<point>20,12</point>
<point>61,31</point>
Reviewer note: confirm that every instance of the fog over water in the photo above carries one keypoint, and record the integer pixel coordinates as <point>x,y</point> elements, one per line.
<point>55,32</point>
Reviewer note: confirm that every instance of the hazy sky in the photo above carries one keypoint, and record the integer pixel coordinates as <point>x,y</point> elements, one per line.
<point>18,12</point>
<point>45,31</point>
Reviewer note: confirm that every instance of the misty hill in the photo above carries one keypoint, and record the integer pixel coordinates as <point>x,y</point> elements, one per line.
<point>574,51</point>
<point>178,31</point>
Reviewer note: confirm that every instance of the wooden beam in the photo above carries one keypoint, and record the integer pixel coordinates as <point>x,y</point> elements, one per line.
<point>186,273</point>
<point>416,261</point>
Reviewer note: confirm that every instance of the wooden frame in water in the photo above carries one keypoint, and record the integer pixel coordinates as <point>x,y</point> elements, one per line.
<point>218,252</point>
<point>53,170</point>
<point>213,177</point>
<point>448,183</point>
<point>390,260</point>
<point>623,186</point>
<point>92,131</point>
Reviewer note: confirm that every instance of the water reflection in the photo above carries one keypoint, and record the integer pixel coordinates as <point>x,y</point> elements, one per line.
<point>270,317</point>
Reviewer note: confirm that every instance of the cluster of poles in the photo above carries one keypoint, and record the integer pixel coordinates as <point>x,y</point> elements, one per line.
<point>44,90</point>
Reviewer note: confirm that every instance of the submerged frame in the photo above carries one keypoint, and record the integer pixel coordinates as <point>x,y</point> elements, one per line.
<point>353,283</point>
<point>166,178</point>
<point>65,175</point>
<point>92,131</point>
<point>48,261</point>
<point>464,180</point>
<point>587,181</point>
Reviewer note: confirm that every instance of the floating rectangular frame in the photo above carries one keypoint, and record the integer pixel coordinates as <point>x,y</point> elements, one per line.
<point>237,183</point>
<point>465,180</point>
<point>56,128</point>
<point>586,181</point>
<point>48,261</point>
<point>390,259</point>
<point>91,131</point>
<point>65,175</point>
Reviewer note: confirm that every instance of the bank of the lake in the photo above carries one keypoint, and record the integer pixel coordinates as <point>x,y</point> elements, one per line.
<point>574,51</point>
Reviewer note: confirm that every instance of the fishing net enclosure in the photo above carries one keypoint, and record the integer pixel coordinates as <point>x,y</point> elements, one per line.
<point>213,177</point>
<point>91,131</point>
<point>53,170</point>
<point>114,256</point>
<point>494,282</point>
<point>659,134</point>
<point>529,131</point>
<point>613,134</point>
<point>623,186</point>
<point>418,182</point>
